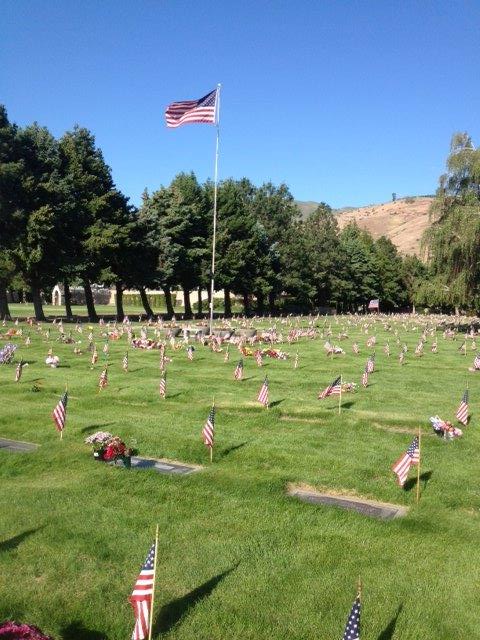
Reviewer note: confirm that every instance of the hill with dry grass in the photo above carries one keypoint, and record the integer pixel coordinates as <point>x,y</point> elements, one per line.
<point>403,221</point>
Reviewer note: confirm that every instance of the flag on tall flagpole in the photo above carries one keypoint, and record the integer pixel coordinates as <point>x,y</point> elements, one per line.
<point>263,393</point>
<point>59,414</point>
<point>462,411</point>
<point>402,466</point>
<point>202,111</point>
<point>142,596</point>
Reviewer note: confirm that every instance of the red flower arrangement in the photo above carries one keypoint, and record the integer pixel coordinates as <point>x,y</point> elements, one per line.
<point>10,630</point>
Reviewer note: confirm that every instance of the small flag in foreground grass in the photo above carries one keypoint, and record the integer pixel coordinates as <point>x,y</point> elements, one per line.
<point>352,630</point>
<point>142,596</point>
<point>259,358</point>
<point>209,428</point>
<point>102,383</point>
<point>190,351</point>
<point>59,414</point>
<point>371,363</point>
<point>94,355</point>
<point>263,393</point>
<point>226,357</point>
<point>334,388</point>
<point>462,411</point>
<point>476,362</point>
<point>402,466</point>
<point>238,373</point>
<point>125,362</point>
<point>163,385</point>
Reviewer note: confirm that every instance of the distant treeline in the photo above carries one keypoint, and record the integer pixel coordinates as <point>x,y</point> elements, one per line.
<point>62,219</point>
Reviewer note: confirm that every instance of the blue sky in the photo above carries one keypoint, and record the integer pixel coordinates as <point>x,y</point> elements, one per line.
<point>345,101</point>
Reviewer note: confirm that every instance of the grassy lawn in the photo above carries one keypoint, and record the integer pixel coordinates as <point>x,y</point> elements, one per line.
<point>238,558</point>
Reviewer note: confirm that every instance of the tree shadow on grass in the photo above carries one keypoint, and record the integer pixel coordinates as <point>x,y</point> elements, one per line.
<point>95,427</point>
<point>13,543</point>
<point>226,452</point>
<point>77,631</point>
<point>412,482</point>
<point>171,613</point>
<point>387,633</point>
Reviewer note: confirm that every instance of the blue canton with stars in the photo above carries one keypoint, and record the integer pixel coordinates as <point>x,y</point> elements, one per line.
<point>148,566</point>
<point>352,630</point>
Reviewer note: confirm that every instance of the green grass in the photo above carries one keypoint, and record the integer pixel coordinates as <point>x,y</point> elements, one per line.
<point>237,557</point>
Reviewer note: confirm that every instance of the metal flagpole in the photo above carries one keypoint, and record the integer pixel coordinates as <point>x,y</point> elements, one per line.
<point>212,283</point>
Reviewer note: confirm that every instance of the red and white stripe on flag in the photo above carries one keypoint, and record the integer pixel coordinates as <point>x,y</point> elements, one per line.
<point>141,598</point>
<point>60,413</point>
<point>402,466</point>
<point>263,394</point>
<point>208,429</point>
<point>192,111</point>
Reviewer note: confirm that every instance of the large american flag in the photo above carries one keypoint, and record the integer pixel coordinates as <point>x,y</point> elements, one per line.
<point>263,393</point>
<point>209,428</point>
<point>59,414</point>
<point>402,466</point>
<point>462,411</point>
<point>352,629</point>
<point>192,111</point>
<point>334,388</point>
<point>142,596</point>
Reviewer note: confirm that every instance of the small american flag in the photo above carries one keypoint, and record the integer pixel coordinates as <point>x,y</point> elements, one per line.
<point>352,630</point>
<point>102,383</point>
<point>258,358</point>
<point>226,357</point>
<point>125,362</point>
<point>59,414</point>
<point>371,364</point>
<point>238,373</point>
<point>209,428</point>
<point>263,393</point>
<point>355,348</point>
<point>401,357</point>
<point>402,466</point>
<point>386,349</point>
<point>476,362</point>
<point>335,388</point>
<point>190,353</point>
<point>142,596</point>
<point>365,377</point>
<point>434,347</point>
<point>163,385</point>
<point>462,411</point>
<point>94,356</point>
<point>192,111</point>
<point>105,348</point>
<point>19,371</point>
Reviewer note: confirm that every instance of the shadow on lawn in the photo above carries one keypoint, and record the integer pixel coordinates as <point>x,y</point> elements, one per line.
<point>171,613</point>
<point>13,543</point>
<point>95,427</point>
<point>275,403</point>
<point>226,452</point>
<point>174,395</point>
<point>412,482</point>
<point>77,631</point>
<point>387,633</point>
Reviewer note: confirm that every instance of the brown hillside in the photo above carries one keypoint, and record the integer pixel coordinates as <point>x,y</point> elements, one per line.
<point>401,221</point>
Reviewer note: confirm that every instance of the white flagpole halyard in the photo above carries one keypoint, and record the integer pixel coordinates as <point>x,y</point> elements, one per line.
<point>212,283</point>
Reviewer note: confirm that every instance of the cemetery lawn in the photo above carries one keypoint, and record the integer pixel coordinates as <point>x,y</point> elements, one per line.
<point>237,557</point>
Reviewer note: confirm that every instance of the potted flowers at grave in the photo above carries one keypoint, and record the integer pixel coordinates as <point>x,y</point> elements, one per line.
<point>109,448</point>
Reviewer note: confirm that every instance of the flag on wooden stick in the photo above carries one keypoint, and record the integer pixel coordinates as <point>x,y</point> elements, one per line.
<point>209,428</point>
<point>238,373</point>
<point>263,393</point>
<point>59,414</point>
<point>334,388</point>
<point>352,629</point>
<point>142,596</point>
<point>402,466</point>
<point>102,383</point>
<point>163,385</point>
<point>462,411</point>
